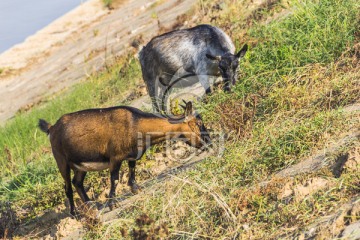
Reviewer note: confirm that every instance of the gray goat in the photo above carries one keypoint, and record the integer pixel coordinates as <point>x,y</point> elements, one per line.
<point>202,51</point>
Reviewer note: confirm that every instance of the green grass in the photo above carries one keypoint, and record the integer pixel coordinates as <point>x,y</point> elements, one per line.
<point>294,81</point>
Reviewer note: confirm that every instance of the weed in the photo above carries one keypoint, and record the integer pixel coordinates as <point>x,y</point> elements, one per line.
<point>108,4</point>
<point>112,4</point>
<point>95,32</point>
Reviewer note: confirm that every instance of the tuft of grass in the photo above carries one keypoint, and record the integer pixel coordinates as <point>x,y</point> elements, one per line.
<point>108,3</point>
<point>112,4</point>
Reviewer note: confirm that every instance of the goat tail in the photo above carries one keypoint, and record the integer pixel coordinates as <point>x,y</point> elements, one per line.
<point>44,126</point>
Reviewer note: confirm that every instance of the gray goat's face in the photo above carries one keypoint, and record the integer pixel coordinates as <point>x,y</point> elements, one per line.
<point>228,66</point>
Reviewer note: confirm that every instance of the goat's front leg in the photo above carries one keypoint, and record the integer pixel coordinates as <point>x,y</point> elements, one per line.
<point>132,182</point>
<point>205,82</point>
<point>114,179</point>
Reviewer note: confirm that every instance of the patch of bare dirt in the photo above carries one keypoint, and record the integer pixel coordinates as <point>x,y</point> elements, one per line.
<point>300,191</point>
<point>353,162</point>
<point>53,224</point>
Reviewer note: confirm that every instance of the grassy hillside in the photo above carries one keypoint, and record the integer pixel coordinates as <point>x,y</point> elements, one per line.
<point>301,70</point>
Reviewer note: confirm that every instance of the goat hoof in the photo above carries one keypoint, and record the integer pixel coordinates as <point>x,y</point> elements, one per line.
<point>111,206</point>
<point>135,189</point>
<point>75,215</point>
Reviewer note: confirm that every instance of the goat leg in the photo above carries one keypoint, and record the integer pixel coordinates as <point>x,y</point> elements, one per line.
<point>65,173</point>
<point>114,180</point>
<point>78,182</point>
<point>132,182</point>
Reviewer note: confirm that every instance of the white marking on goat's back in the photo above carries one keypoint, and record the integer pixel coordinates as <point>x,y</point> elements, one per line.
<point>92,166</point>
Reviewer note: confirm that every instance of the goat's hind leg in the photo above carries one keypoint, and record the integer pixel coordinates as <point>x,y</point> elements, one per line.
<point>65,173</point>
<point>132,182</point>
<point>78,181</point>
<point>114,180</point>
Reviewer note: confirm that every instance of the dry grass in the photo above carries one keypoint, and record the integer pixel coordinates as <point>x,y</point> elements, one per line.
<point>237,117</point>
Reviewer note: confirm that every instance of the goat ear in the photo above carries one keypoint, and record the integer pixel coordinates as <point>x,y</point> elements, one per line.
<point>189,111</point>
<point>242,52</point>
<point>214,58</point>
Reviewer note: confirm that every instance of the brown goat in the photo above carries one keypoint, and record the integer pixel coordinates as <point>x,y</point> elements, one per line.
<point>97,139</point>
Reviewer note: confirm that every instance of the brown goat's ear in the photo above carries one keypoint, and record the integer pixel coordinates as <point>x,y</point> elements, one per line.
<point>189,111</point>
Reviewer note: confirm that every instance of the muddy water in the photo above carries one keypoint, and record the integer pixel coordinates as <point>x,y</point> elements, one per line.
<point>22,18</point>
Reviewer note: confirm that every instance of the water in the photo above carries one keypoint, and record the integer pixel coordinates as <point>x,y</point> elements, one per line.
<point>22,18</point>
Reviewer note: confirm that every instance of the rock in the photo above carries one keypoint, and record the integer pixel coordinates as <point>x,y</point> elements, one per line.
<point>351,232</point>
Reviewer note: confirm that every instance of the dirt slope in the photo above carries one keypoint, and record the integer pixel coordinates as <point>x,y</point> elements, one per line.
<point>75,45</point>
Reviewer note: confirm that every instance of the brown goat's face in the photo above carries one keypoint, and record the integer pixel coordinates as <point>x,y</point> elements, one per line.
<point>198,134</point>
